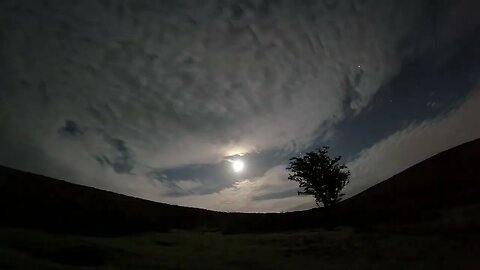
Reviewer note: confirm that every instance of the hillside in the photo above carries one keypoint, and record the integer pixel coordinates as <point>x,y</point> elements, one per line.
<point>30,200</point>
<point>449,179</point>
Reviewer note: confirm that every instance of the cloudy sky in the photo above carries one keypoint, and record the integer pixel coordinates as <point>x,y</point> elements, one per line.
<point>154,99</point>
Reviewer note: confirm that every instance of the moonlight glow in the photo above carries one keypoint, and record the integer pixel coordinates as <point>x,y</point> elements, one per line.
<point>238,165</point>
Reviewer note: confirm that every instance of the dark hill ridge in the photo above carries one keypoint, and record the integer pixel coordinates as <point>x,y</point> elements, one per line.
<point>449,179</point>
<point>37,201</point>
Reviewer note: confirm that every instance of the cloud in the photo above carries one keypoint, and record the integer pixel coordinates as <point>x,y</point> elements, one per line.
<point>271,192</point>
<point>161,76</point>
<point>103,93</point>
<point>70,129</point>
<point>122,160</point>
<point>415,143</point>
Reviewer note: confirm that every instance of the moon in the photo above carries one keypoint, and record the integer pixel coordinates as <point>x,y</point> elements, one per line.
<point>238,165</point>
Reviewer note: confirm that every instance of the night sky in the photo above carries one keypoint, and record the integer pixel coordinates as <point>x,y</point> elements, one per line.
<point>156,99</point>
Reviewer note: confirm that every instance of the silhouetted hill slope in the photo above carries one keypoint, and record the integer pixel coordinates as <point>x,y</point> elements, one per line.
<point>449,179</point>
<point>33,200</point>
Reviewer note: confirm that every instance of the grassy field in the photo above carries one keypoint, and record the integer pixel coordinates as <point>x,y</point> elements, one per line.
<point>341,248</point>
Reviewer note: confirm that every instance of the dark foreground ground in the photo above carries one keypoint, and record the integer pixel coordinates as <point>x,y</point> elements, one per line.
<point>343,248</point>
<point>450,242</point>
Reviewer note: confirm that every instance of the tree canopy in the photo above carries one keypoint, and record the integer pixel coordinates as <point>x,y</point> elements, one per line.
<point>320,175</point>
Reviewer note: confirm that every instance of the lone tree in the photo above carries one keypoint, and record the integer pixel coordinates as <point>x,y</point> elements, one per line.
<point>319,175</point>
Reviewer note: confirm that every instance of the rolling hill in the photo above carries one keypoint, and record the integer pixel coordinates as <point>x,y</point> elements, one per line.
<point>447,180</point>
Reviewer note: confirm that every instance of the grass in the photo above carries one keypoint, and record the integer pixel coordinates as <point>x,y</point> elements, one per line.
<point>336,249</point>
